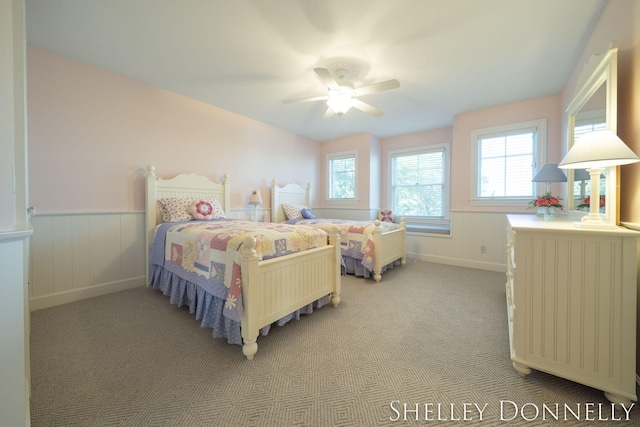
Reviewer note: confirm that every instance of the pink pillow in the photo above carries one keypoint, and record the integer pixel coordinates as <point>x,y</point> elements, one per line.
<point>182,209</point>
<point>385,215</point>
<point>206,209</point>
<point>201,209</point>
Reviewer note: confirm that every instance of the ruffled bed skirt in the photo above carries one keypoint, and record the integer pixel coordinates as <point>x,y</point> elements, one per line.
<point>208,308</point>
<point>354,266</point>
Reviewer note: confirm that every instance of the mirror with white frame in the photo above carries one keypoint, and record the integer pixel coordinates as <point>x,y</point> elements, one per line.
<point>594,107</point>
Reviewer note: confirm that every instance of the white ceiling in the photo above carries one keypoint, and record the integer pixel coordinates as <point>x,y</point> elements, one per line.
<point>246,56</point>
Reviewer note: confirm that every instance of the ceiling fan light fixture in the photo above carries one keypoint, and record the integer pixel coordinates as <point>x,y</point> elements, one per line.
<point>339,102</point>
<point>343,95</point>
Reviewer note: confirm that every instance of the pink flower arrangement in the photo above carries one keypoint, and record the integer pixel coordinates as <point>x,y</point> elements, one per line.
<point>587,202</point>
<point>546,200</point>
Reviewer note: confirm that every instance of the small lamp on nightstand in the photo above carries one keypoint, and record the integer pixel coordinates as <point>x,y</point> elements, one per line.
<point>595,151</point>
<point>255,199</point>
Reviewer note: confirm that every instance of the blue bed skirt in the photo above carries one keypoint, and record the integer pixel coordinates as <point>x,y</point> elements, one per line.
<point>354,266</point>
<point>208,308</point>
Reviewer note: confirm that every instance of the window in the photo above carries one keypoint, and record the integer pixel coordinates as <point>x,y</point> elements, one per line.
<point>420,182</point>
<point>505,161</point>
<point>342,176</point>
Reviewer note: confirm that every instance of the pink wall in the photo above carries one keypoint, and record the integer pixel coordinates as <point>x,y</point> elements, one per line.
<point>464,124</point>
<point>91,134</point>
<point>375,179</point>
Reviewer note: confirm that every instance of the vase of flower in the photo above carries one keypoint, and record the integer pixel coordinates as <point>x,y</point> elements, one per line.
<point>547,212</point>
<point>546,205</point>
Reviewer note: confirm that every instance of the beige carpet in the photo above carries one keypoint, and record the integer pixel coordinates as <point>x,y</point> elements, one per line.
<point>427,336</point>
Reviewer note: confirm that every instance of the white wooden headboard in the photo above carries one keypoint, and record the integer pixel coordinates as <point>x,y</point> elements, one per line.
<point>293,194</point>
<point>184,185</point>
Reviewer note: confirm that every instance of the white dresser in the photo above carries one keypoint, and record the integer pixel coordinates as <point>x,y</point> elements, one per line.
<point>571,303</point>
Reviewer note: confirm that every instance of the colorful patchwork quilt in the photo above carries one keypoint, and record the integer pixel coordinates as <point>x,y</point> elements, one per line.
<point>356,237</point>
<point>207,253</point>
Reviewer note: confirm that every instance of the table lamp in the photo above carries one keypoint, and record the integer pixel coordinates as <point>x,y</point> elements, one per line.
<point>550,173</point>
<point>595,151</point>
<point>255,199</point>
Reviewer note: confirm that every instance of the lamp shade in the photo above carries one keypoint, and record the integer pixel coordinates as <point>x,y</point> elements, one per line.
<point>255,198</point>
<point>598,149</point>
<point>581,175</point>
<point>550,173</point>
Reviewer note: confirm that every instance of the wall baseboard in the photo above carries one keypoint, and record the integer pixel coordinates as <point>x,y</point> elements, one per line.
<point>64,297</point>
<point>459,262</point>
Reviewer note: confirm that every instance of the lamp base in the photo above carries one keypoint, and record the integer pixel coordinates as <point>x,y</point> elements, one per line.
<point>594,224</point>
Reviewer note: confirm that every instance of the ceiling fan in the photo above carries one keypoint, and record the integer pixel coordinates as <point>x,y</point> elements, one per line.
<point>342,94</point>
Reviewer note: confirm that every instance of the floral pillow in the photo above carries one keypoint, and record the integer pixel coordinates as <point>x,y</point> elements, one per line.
<point>175,209</point>
<point>293,211</point>
<point>201,209</point>
<point>206,209</point>
<point>218,212</point>
<point>385,215</point>
<point>182,209</point>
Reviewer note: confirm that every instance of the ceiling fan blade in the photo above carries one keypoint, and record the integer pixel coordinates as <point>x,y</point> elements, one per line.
<point>328,114</point>
<point>327,78</point>
<point>307,99</point>
<point>378,87</point>
<point>366,108</point>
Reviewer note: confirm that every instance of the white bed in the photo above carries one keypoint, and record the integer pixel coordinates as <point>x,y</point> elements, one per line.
<point>271,289</point>
<point>389,245</point>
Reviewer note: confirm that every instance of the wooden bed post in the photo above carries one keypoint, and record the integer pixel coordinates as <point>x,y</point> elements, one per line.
<point>150,216</point>
<point>250,295</point>
<point>274,207</point>
<point>227,193</point>
<point>334,239</point>
<point>403,227</point>
<point>377,242</point>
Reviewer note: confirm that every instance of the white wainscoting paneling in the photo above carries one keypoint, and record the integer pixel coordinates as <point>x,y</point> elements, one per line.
<point>477,240</point>
<point>14,332</point>
<point>82,255</point>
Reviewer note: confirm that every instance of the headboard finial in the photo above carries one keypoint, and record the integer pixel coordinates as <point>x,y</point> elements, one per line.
<point>151,170</point>
<point>226,178</point>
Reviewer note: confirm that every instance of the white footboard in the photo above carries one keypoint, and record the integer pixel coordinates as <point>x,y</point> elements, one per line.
<point>274,288</point>
<point>389,247</point>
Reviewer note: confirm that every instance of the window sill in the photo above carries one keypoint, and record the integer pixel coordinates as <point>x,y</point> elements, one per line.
<point>440,230</point>
<point>341,201</point>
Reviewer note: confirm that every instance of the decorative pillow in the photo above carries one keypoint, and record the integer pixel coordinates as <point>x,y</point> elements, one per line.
<point>217,212</point>
<point>293,211</point>
<point>307,213</point>
<point>175,209</point>
<point>179,209</point>
<point>201,209</point>
<point>385,215</point>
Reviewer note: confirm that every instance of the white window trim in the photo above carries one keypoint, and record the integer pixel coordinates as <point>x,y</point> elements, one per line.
<point>540,159</point>
<point>335,156</point>
<point>422,220</point>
